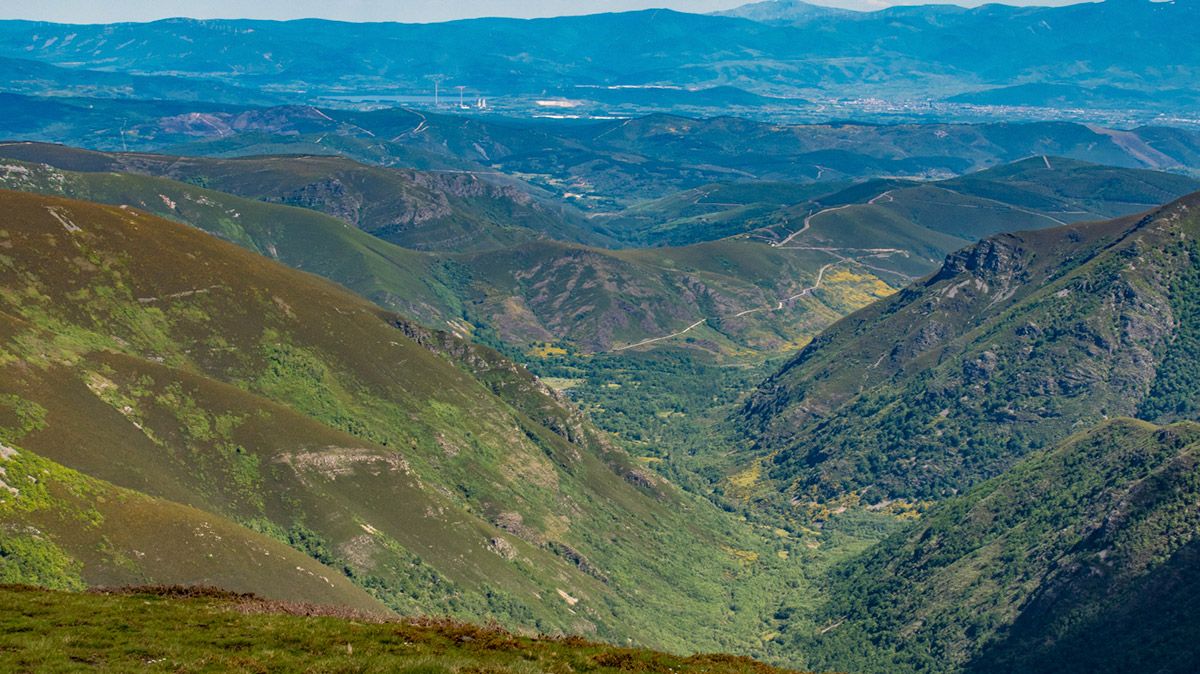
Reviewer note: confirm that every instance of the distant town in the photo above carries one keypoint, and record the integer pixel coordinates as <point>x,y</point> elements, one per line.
<point>583,103</point>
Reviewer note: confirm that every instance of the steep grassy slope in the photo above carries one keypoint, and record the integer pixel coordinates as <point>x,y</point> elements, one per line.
<point>1081,559</point>
<point>60,528</point>
<point>456,211</point>
<point>438,477</point>
<point>1015,343</point>
<point>397,278</point>
<point>172,629</point>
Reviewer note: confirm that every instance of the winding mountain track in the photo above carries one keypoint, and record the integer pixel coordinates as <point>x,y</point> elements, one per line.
<point>843,259</point>
<point>419,128</point>
<point>644,342</point>
<point>812,216</point>
<point>808,223</point>
<point>886,195</point>
<point>802,293</point>
<point>779,305</point>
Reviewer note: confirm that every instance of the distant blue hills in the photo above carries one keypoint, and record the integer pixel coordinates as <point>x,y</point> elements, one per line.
<point>1124,49</point>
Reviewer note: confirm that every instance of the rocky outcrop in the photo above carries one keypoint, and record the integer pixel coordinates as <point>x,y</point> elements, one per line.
<point>1000,257</point>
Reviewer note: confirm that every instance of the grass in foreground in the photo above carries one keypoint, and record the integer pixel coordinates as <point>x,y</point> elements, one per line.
<point>204,630</point>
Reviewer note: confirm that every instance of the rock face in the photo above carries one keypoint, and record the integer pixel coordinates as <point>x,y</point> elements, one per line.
<point>1015,343</point>
<point>998,257</point>
<point>328,196</point>
<point>426,211</point>
<point>427,199</point>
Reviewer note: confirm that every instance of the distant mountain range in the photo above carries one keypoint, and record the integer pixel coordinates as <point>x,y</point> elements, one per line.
<point>785,12</point>
<point>777,49</point>
<point>597,166</point>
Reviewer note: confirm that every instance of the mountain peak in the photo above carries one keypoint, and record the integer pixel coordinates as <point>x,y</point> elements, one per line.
<point>782,11</point>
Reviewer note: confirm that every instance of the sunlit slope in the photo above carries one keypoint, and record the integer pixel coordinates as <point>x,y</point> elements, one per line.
<point>172,628</point>
<point>538,291</point>
<point>393,277</point>
<point>926,220</point>
<point>151,355</point>
<point>63,529</point>
<point>730,295</point>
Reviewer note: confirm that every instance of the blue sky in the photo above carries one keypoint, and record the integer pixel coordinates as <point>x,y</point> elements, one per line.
<point>101,11</point>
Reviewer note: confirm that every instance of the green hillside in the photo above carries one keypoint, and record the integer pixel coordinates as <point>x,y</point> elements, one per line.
<point>726,297</point>
<point>1014,344</point>
<point>539,291</point>
<point>926,220</point>
<point>709,212</point>
<point>423,210</point>
<point>393,277</point>
<point>436,476</point>
<point>182,629</point>
<point>1081,559</point>
<point>64,529</point>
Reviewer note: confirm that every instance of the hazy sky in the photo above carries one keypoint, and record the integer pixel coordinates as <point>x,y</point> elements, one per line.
<point>104,11</point>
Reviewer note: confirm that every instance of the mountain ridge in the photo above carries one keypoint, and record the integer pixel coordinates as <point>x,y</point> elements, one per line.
<point>897,51</point>
<point>984,323</point>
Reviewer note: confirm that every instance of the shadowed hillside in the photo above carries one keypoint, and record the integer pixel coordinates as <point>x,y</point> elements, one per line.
<point>1015,343</point>
<point>1077,559</point>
